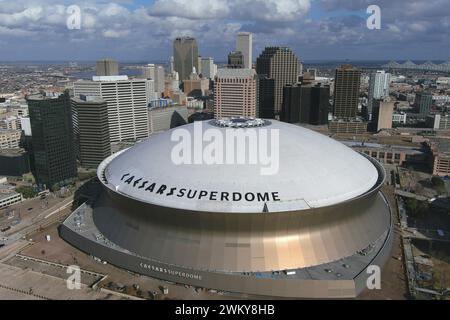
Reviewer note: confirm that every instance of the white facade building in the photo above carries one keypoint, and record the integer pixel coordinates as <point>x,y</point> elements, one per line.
<point>244,44</point>
<point>378,87</point>
<point>26,126</point>
<point>439,121</point>
<point>399,118</point>
<point>208,68</point>
<point>157,74</point>
<point>7,199</point>
<point>192,103</point>
<point>441,99</point>
<point>127,105</point>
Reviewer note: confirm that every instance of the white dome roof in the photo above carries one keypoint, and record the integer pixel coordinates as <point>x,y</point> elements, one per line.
<point>314,171</point>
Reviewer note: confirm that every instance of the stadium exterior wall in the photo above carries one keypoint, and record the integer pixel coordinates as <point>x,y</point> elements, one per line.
<point>287,287</point>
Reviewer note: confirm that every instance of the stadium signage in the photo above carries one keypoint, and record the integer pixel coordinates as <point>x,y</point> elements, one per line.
<point>169,191</point>
<point>177,273</point>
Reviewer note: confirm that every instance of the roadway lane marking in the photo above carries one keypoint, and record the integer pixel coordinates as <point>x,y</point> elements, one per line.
<point>59,209</point>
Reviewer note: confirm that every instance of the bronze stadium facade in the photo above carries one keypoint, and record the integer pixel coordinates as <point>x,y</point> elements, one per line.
<point>309,231</point>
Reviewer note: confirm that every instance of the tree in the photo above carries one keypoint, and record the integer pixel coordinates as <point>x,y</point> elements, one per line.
<point>411,205</point>
<point>438,184</point>
<point>416,208</point>
<point>27,192</point>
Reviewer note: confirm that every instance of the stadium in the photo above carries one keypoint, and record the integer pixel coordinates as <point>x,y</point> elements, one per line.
<point>310,230</point>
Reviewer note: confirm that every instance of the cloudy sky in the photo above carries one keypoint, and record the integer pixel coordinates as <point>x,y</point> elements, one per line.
<point>143,30</point>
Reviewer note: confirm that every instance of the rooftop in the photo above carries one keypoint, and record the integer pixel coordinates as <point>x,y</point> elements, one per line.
<point>310,171</point>
<point>235,73</point>
<point>12,152</point>
<point>109,78</point>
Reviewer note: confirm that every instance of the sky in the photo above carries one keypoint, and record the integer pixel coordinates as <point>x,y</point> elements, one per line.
<point>140,30</point>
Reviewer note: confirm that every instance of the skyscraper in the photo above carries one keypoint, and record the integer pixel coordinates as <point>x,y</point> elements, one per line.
<point>171,67</point>
<point>382,114</point>
<point>235,60</point>
<point>199,65</point>
<point>290,111</point>
<point>127,104</point>
<point>235,93</point>
<point>305,104</point>
<point>107,67</point>
<point>378,87</point>
<point>157,74</point>
<point>346,91</point>
<point>280,64</point>
<point>51,123</point>
<point>265,97</point>
<point>208,70</point>
<point>320,100</point>
<point>423,102</point>
<point>244,44</point>
<point>185,55</point>
<point>91,130</point>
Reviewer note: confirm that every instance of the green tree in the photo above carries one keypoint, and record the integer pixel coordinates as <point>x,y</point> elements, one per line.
<point>438,184</point>
<point>27,192</point>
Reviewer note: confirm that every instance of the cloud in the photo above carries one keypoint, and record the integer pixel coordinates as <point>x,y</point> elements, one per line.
<point>259,10</point>
<point>313,28</point>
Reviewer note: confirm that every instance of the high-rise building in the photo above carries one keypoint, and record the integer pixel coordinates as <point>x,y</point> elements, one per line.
<point>199,65</point>
<point>378,88</point>
<point>320,100</point>
<point>347,83</point>
<point>423,102</point>
<point>305,104</point>
<point>91,130</point>
<point>208,70</point>
<point>185,55</point>
<point>171,65</point>
<point>265,97</point>
<point>107,67</point>
<point>235,60</point>
<point>244,44</point>
<point>54,154</point>
<point>127,101</point>
<point>157,74</point>
<point>382,114</point>
<point>280,64</point>
<point>150,90</point>
<point>291,107</point>
<point>235,93</point>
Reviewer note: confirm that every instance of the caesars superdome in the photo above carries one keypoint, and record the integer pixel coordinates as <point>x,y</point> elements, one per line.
<point>308,221</point>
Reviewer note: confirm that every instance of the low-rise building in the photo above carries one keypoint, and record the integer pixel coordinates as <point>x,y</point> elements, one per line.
<point>8,199</point>
<point>192,103</point>
<point>10,138</point>
<point>398,155</point>
<point>399,118</point>
<point>438,121</point>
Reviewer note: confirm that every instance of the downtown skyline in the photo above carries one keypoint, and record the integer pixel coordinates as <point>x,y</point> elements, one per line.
<point>144,30</point>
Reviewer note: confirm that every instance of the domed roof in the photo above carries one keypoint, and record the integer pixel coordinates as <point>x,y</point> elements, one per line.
<point>311,171</point>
